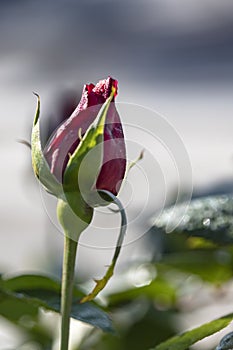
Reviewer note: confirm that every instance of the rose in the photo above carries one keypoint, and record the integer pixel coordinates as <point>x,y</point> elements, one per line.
<point>94,126</point>
<point>66,138</point>
<point>86,153</point>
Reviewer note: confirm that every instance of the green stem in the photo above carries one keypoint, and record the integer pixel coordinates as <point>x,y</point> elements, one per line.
<point>100,284</point>
<point>70,249</point>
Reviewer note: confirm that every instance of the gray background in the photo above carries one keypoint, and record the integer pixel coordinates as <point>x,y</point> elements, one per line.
<point>175,57</point>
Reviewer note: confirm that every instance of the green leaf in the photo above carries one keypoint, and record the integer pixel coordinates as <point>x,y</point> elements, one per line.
<point>39,164</point>
<point>30,282</point>
<point>183,341</point>
<point>93,315</point>
<point>24,314</point>
<point>30,292</point>
<point>14,306</point>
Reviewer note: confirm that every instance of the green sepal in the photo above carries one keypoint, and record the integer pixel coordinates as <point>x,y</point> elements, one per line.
<point>80,172</point>
<point>39,164</point>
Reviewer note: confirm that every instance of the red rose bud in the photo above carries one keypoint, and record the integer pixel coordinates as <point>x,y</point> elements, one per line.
<point>67,137</point>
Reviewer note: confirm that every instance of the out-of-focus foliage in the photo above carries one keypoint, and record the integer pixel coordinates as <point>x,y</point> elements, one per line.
<point>210,217</point>
<point>183,341</point>
<point>159,290</point>
<point>201,247</point>
<point>22,297</point>
<point>145,315</point>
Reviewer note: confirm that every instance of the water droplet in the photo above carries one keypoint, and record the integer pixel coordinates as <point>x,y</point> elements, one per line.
<point>143,275</point>
<point>206,222</point>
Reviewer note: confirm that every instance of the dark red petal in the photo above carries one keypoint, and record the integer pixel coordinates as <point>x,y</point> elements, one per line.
<point>114,159</point>
<point>65,139</point>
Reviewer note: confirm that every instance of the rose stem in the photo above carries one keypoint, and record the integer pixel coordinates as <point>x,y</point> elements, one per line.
<point>69,255</point>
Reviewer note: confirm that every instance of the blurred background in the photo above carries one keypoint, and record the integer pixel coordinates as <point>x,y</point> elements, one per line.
<point>173,57</point>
